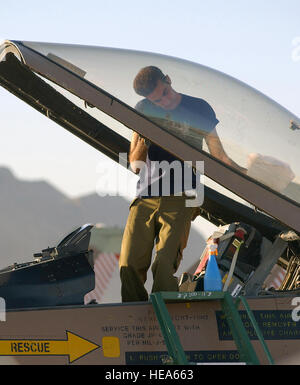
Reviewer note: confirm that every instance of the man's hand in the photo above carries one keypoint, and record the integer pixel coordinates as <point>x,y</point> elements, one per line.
<point>138,152</point>
<point>270,171</point>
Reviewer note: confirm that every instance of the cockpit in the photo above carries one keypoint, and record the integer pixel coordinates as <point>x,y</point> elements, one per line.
<point>248,144</point>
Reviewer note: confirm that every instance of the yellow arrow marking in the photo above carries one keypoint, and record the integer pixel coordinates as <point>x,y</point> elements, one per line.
<point>74,346</point>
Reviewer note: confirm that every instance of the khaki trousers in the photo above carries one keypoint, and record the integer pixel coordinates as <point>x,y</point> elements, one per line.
<point>165,221</point>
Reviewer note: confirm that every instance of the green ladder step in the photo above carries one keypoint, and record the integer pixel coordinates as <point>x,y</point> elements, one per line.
<point>229,307</point>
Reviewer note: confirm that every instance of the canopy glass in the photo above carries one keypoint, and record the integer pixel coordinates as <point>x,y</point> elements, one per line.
<point>259,137</point>
<point>256,133</point>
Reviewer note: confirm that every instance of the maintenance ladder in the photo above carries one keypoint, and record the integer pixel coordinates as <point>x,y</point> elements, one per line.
<point>230,310</point>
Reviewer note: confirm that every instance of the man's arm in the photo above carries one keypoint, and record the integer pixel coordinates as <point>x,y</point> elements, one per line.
<point>138,152</point>
<point>216,149</point>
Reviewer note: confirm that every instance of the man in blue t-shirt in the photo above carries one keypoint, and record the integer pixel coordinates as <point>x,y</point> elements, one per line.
<point>160,214</point>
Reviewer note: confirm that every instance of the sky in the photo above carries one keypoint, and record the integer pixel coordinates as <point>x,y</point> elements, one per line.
<point>257,42</point>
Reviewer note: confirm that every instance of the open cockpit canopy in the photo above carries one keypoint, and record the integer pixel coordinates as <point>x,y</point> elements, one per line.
<point>89,91</point>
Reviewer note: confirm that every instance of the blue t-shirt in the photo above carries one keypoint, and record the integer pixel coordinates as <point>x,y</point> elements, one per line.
<point>191,121</point>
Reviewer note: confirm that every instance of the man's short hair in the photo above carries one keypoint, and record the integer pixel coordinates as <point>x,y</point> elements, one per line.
<point>146,80</point>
